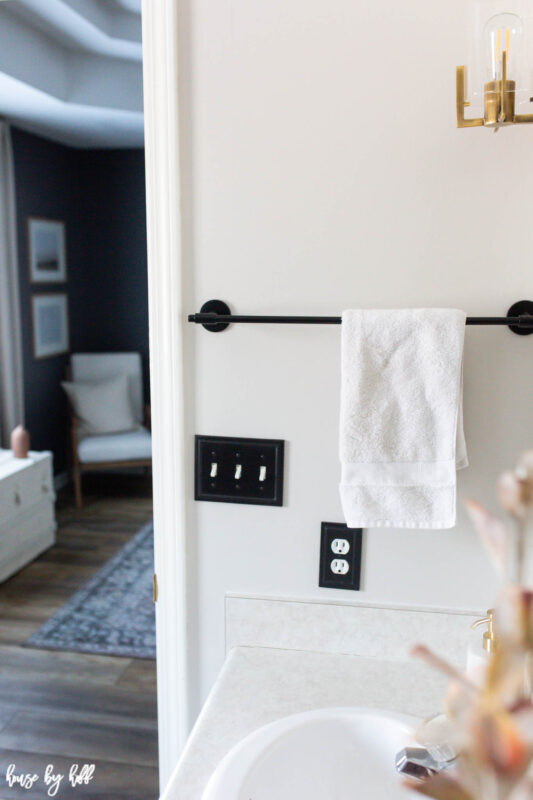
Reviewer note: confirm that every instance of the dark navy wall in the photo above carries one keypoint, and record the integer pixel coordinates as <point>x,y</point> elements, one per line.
<point>100,194</point>
<point>44,188</point>
<point>111,200</point>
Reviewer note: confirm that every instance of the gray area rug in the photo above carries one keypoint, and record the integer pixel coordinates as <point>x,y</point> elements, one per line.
<point>113,614</point>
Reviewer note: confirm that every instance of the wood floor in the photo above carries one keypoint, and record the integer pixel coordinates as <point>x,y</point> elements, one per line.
<point>71,708</point>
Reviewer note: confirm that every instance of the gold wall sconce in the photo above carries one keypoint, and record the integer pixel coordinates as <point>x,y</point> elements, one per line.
<point>500,45</point>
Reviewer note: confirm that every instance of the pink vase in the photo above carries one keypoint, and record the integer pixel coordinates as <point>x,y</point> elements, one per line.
<point>20,442</point>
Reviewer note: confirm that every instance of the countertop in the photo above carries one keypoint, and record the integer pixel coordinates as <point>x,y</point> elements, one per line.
<point>258,685</point>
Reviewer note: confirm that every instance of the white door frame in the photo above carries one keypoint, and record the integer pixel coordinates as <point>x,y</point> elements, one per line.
<point>167,319</point>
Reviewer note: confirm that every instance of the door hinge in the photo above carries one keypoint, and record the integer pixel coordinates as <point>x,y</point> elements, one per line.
<point>154,588</point>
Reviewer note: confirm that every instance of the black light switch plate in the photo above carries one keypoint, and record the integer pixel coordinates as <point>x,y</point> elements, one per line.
<point>340,556</point>
<point>239,470</point>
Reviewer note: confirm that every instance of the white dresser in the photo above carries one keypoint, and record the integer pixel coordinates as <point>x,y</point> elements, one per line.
<point>27,518</point>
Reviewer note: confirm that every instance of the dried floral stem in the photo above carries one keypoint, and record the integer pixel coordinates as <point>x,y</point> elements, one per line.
<point>491,726</point>
<point>520,551</point>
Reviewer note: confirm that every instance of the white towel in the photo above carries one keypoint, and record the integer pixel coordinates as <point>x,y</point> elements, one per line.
<point>401,422</point>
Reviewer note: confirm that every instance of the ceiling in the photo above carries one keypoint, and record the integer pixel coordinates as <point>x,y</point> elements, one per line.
<point>129,5</point>
<point>82,85</point>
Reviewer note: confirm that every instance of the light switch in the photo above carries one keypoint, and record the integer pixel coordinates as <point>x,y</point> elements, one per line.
<point>239,470</point>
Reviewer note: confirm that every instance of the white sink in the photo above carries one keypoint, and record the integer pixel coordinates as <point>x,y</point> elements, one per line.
<point>326,754</point>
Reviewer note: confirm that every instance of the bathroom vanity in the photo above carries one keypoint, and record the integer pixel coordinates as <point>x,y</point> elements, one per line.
<point>357,657</point>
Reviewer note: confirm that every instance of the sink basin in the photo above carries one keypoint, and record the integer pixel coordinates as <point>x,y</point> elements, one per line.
<point>325,754</point>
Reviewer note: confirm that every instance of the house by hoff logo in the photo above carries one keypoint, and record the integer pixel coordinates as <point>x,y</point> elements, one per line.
<point>77,776</point>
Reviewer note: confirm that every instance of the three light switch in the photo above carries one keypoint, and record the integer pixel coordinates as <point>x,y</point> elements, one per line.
<point>239,470</point>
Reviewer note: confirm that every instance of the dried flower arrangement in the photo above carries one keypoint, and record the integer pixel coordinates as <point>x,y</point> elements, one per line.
<point>489,724</point>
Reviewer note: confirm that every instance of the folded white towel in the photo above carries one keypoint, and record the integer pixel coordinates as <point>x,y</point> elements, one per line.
<point>401,422</point>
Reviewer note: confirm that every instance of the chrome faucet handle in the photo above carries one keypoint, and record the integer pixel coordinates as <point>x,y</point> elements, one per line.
<point>416,762</point>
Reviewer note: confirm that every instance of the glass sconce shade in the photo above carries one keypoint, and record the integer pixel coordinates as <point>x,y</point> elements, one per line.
<point>503,33</point>
<point>501,65</point>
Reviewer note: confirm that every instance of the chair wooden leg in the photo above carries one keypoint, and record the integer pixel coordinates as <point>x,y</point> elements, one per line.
<point>76,474</point>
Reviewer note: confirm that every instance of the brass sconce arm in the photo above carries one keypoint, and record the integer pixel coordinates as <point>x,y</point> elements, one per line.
<point>462,103</point>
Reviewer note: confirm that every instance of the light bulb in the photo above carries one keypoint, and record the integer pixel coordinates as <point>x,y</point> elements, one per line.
<point>503,33</point>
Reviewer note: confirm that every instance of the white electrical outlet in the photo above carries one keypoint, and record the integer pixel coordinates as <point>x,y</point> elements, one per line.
<point>340,547</point>
<point>339,566</point>
<point>340,556</point>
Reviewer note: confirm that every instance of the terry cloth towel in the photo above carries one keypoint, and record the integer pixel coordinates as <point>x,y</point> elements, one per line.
<point>401,421</point>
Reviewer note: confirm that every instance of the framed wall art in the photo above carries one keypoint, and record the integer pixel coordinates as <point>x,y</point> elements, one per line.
<point>47,250</point>
<point>50,325</point>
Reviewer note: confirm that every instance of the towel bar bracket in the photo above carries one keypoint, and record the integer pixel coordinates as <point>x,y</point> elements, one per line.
<point>215,307</point>
<point>519,318</point>
<point>523,309</point>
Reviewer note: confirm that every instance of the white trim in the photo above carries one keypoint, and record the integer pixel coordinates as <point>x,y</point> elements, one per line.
<point>166,307</point>
<point>11,368</point>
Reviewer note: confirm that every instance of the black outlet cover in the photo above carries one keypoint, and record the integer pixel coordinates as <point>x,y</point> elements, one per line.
<point>354,536</point>
<point>252,455</point>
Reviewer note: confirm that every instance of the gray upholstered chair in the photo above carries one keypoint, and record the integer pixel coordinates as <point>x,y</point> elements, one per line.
<point>132,448</point>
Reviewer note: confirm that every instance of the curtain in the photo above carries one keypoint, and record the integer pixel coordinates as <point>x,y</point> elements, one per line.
<point>11,377</point>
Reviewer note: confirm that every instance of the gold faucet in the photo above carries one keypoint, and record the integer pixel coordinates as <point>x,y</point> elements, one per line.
<point>490,640</point>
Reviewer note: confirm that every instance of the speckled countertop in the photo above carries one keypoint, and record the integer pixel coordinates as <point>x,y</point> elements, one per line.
<point>258,685</point>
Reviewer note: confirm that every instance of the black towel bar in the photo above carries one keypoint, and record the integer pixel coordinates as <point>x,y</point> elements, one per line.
<point>215,316</point>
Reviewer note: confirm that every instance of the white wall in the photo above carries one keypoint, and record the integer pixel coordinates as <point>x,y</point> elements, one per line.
<point>323,170</point>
